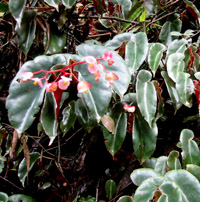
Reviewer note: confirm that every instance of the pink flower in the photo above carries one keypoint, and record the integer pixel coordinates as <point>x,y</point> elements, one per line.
<point>83,86</point>
<point>38,81</point>
<point>108,56</point>
<point>92,64</point>
<point>129,108</point>
<point>64,83</point>
<point>97,75</point>
<point>27,76</point>
<point>111,77</point>
<point>52,87</point>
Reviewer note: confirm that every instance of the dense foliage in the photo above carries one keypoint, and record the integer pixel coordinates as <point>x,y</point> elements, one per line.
<point>103,91</point>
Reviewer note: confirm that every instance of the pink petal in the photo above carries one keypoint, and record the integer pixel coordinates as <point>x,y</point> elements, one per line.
<point>90,60</point>
<point>83,86</point>
<point>92,68</point>
<point>129,108</point>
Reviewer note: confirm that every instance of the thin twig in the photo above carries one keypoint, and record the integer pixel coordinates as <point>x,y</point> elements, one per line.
<point>160,18</point>
<point>109,18</point>
<point>11,183</point>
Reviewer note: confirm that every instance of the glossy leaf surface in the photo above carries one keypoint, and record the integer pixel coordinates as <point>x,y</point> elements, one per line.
<point>53,3</point>
<point>110,188</point>
<point>25,98</point>
<point>161,165</point>
<point>3,197</point>
<point>177,46</point>
<point>22,172</point>
<point>171,90</point>
<point>175,64</point>
<point>48,116</point>
<point>169,26</point>
<point>98,97</point>
<point>146,96</point>
<point>125,199</point>
<point>20,198</point>
<point>126,6</point>
<point>139,175</point>
<point>194,170</point>
<point>144,138</point>
<point>188,185</point>
<point>185,88</point>
<point>145,192</point>
<point>68,3</point>
<point>190,153</point>
<point>155,54</point>
<point>173,161</point>
<point>69,117</point>
<point>26,31</point>
<point>114,141</point>
<point>136,51</point>
<point>17,7</point>
<point>117,40</point>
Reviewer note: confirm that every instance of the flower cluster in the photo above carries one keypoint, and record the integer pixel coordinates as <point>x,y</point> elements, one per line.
<point>63,80</point>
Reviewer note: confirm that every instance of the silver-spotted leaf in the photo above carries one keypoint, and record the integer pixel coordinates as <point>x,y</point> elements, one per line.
<point>139,175</point>
<point>172,90</point>
<point>190,153</point>
<point>146,96</point>
<point>175,64</point>
<point>155,54</point>
<point>185,88</point>
<point>17,7</point>
<point>136,51</point>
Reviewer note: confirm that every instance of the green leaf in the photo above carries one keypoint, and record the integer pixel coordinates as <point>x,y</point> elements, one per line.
<point>125,199</point>
<point>56,42</point>
<point>190,153</point>
<point>136,51</point>
<point>188,185</point>
<point>84,116</point>
<point>108,123</point>
<point>26,30</point>
<point>170,192</point>
<point>126,6</point>
<point>197,75</point>
<point>193,9</point>
<point>98,97</point>
<point>53,3</point>
<point>169,26</point>
<point>139,175</point>
<point>68,3</point>
<point>22,171</point>
<point>20,198</point>
<point>114,141</point>
<point>69,117</point>
<point>17,7</point>
<point>3,197</point>
<point>194,170</point>
<point>175,64</point>
<point>3,7</point>
<point>177,46</point>
<point>118,39</point>
<point>146,96</point>
<point>171,90</point>
<point>173,161</point>
<point>135,11</point>
<point>110,188</point>
<point>145,192</point>
<point>155,54</point>
<point>161,165</point>
<point>144,138</point>
<point>48,116</point>
<point>25,98</point>
<point>143,15</point>
<point>185,88</point>
<point>150,163</point>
